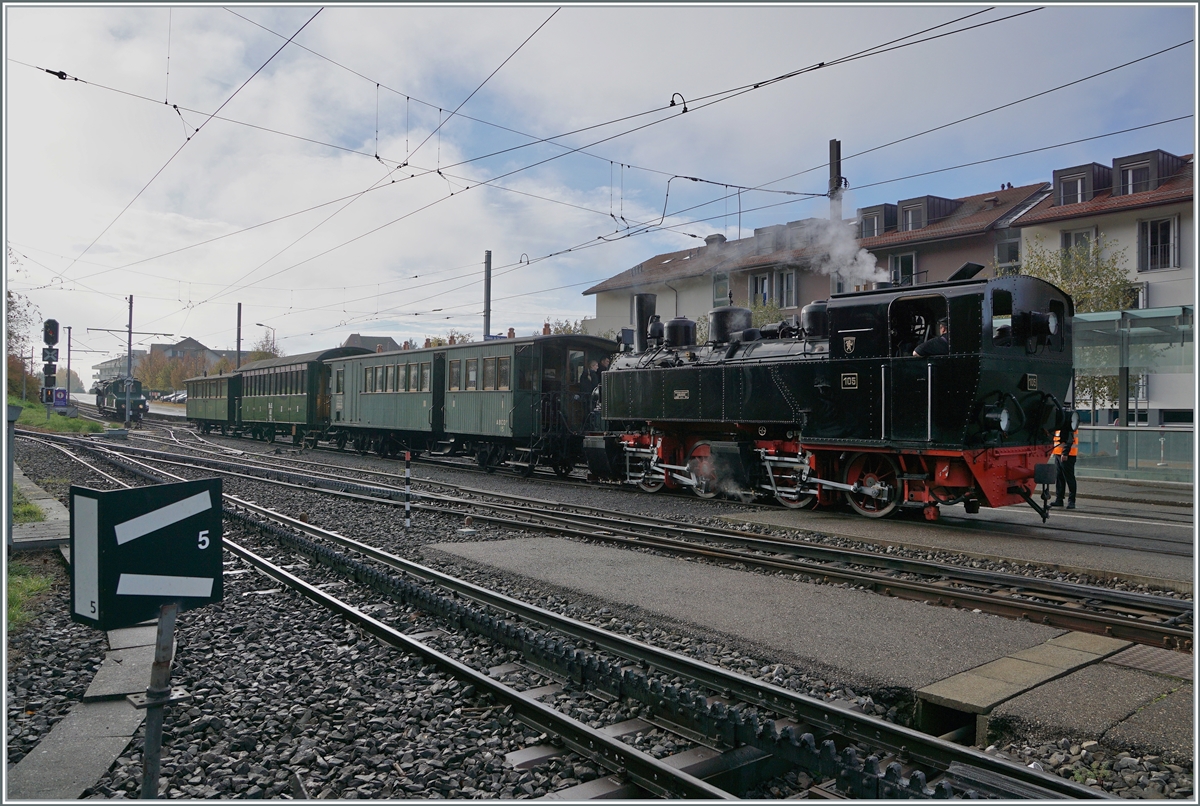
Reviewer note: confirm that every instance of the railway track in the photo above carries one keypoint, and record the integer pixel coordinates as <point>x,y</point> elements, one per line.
<point>1144,618</point>
<point>738,731</point>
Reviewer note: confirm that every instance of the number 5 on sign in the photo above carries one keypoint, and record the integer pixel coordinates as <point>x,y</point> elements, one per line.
<point>203,541</point>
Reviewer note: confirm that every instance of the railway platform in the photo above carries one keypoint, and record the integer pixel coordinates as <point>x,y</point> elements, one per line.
<point>962,668</point>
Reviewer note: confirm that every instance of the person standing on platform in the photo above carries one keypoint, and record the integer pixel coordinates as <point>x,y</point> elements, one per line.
<point>1066,449</point>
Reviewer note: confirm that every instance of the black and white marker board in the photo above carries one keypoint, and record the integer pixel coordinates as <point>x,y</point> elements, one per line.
<point>134,550</point>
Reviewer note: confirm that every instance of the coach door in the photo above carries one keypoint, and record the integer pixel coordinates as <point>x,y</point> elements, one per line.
<point>912,379</point>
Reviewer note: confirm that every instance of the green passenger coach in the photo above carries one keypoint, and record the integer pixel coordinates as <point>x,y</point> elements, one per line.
<point>288,396</point>
<point>387,402</point>
<point>212,401</point>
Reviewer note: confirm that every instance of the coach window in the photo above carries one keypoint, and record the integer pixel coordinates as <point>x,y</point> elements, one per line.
<point>304,381</point>
<point>503,372</point>
<point>489,373</point>
<point>413,377</point>
<point>340,382</point>
<point>389,383</point>
<point>425,375</point>
<point>1002,318</point>
<point>472,373</point>
<point>455,375</point>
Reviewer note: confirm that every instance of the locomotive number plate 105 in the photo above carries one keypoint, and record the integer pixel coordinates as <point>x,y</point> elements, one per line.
<point>849,380</point>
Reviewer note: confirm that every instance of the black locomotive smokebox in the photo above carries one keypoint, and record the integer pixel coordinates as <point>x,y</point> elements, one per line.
<point>603,455</point>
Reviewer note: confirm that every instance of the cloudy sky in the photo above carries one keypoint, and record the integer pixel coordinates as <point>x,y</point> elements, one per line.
<point>324,197</point>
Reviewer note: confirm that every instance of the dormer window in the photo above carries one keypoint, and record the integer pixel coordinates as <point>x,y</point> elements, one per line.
<point>870,226</point>
<point>1071,191</point>
<point>1135,178</point>
<point>911,218</point>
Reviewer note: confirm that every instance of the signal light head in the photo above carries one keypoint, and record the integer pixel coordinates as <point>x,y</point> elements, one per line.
<point>50,332</point>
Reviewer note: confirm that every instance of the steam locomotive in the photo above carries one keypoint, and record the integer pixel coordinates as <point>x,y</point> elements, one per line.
<point>111,397</point>
<point>838,405</point>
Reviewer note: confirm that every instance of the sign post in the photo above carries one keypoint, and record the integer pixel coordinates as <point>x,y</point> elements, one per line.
<point>140,553</point>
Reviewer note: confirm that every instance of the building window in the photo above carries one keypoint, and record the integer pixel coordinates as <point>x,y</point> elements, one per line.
<point>760,289</point>
<point>787,289</point>
<point>870,226</point>
<point>911,218</point>
<point>903,268</point>
<point>1078,239</point>
<point>1008,251</point>
<point>1135,178</point>
<point>1158,245</point>
<point>1071,190</point>
<point>720,290</point>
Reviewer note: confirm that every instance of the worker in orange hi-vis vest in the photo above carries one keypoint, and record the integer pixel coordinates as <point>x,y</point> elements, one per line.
<point>1066,448</point>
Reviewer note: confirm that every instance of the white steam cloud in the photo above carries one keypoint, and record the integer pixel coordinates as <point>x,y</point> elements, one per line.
<point>837,252</point>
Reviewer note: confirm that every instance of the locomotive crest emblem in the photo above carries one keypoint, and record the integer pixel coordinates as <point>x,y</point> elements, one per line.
<point>848,343</point>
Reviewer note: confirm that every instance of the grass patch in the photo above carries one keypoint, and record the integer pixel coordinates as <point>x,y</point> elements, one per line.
<point>34,416</point>
<point>24,510</point>
<point>26,585</point>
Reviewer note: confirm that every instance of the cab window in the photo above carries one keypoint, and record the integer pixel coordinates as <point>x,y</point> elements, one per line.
<point>1002,318</point>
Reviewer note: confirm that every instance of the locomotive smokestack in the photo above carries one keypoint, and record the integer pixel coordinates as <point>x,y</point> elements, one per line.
<point>643,309</point>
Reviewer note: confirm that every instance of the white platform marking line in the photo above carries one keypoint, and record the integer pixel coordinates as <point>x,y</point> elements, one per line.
<point>164,516</point>
<point>158,585</point>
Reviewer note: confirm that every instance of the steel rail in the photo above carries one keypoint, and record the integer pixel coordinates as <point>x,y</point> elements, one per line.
<point>1155,634</point>
<point>867,730</point>
<point>1160,604</point>
<point>858,727</point>
<point>642,769</point>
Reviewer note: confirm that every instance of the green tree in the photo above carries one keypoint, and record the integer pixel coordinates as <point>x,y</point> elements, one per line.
<point>564,327</point>
<point>266,347</point>
<point>1096,279</point>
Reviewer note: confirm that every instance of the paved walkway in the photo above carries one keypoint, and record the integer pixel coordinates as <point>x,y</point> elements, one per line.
<point>83,745</point>
<point>969,662</point>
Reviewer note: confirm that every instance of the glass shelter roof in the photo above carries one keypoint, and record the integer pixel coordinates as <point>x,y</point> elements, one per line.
<point>1153,340</point>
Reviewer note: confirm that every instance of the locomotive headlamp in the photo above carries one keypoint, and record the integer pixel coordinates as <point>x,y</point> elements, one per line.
<point>1043,324</point>
<point>997,418</point>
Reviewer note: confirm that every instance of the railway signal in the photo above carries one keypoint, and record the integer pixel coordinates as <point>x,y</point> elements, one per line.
<point>50,354</point>
<point>50,332</point>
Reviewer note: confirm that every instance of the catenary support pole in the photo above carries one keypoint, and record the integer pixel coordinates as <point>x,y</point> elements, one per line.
<point>128,360</point>
<point>487,294</point>
<point>239,337</point>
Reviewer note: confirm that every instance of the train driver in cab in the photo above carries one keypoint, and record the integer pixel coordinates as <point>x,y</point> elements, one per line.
<point>939,344</point>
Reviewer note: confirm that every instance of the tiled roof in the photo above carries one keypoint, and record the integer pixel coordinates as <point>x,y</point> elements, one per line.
<point>730,256</point>
<point>372,343</point>
<point>974,215</point>
<point>1177,189</point>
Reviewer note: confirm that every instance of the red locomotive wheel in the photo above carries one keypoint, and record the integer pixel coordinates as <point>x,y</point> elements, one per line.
<point>700,465</point>
<point>868,469</point>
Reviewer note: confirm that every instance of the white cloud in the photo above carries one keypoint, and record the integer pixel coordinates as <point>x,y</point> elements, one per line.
<point>77,154</point>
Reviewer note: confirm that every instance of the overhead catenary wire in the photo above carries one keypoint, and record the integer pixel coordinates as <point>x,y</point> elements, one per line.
<point>189,139</point>
<point>875,50</point>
